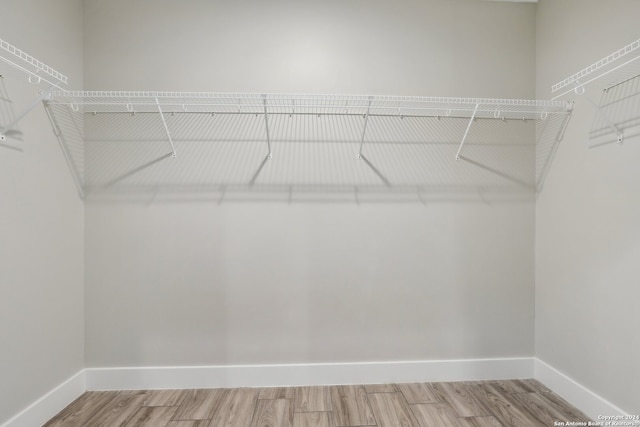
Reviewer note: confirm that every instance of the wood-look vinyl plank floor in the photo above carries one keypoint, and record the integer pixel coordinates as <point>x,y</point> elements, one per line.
<point>313,419</point>
<point>513,403</point>
<point>277,393</point>
<point>391,410</point>
<point>273,413</point>
<point>535,386</point>
<point>434,415</point>
<point>351,406</point>
<point>236,410</point>
<point>199,404</point>
<point>511,386</point>
<point>506,409</point>
<point>419,393</point>
<point>480,422</point>
<point>151,416</point>
<point>540,407</point>
<point>380,388</point>
<point>461,399</point>
<point>81,410</point>
<point>312,399</point>
<point>118,411</point>
<point>565,407</point>
<point>188,423</point>
<point>165,397</point>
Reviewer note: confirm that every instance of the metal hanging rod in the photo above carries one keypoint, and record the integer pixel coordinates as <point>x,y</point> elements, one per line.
<point>36,70</point>
<point>616,61</point>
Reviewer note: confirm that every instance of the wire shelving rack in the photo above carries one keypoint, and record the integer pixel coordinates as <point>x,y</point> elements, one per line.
<point>621,65</point>
<point>36,70</point>
<point>359,119</point>
<point>163,103</point>
<point>615,69</point>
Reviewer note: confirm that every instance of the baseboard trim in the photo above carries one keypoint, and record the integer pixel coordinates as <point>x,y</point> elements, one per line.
<point>43,409</point>
<point>133,378</point>
<point>573,392</point>
<point>136,378</point>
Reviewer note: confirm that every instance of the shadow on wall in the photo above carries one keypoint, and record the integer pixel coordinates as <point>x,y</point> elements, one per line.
<point>315,158</point>
<point>10,133</point>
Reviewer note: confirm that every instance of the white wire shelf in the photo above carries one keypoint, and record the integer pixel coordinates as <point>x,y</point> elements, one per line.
<point>97,102</point>
<point>231,140</point>
<point>36,70</point>
<point>620,65</point>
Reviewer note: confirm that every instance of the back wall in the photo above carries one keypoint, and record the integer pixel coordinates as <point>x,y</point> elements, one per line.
<point>186,282</point>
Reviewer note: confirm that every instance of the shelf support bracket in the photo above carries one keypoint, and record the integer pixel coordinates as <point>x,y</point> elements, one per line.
<point>605,116</point>
<point>466,132</point>
<point>364,129</point>
<point>166,128</point>
<point>4,129</point>
<point>266,126</point>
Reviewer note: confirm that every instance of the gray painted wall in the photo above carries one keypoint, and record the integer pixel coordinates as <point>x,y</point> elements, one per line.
<point>42,228</point>
<point>200,283</point>
<point>186,283</point>
<point>587,229</point>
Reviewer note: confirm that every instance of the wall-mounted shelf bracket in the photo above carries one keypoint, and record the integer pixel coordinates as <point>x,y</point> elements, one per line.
<point>266,125</point>
<point>166,128</point>
<point>466,132</point>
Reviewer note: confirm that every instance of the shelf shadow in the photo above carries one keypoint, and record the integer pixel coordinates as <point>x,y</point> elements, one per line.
<point>8,116</point>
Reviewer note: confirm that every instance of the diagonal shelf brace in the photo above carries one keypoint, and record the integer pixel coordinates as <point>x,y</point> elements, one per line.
<point>466,132</point>
<point>166,128</point>
<point>364,129</point>
<point>266,125</point>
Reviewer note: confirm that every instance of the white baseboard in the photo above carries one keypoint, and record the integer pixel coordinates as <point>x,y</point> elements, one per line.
<point>306,374</point>
<point>573,392</point>
<point>43,409</point>
<point>311,374</point>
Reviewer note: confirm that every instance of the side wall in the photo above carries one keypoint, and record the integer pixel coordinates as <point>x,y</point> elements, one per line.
<point>186,283</point>
<point>587,228</point>
<point>42,226</point>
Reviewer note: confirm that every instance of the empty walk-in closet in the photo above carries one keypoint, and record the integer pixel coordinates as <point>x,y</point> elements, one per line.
<point>319,213</point>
